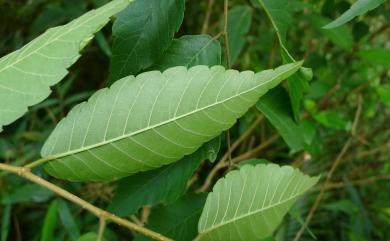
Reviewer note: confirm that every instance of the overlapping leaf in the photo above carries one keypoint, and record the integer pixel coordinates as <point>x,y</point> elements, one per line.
<point>145,188</point>
<point>27,74</point>
<point>249,204</point>
<point>191,50</point>
<point>142,33</point>
<point>144,122</point>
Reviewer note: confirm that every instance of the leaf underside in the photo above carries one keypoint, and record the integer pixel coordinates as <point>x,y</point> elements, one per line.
<point>248,204</point>
<point>144,122</point>
<point>27,74</point>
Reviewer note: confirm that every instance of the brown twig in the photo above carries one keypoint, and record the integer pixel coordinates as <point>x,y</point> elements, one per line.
<point>205,25</point>
<point>102,227</point>
<point>27,174</point>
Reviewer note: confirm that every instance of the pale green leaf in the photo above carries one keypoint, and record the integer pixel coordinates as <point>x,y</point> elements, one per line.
<point>145,188</point>
<point>27,74</point>
<point>179,220</point>
<point>91,236</point>
<point>191,50</point>
<point>360,7</point>
<point>248,204</point>
<point>141,34</point>
<point>144,122</point>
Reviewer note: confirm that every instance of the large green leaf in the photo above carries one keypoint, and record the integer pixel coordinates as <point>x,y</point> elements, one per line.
<point>145,187</point>
<point>178,220</point>
<point>360,7</point>
<point>274,105</point>
<point>249,204</point>
<point>141,34</point>
<point>144,122</point>
<point>27,74</point>
<point>280,13</point>
<point>191,50</point>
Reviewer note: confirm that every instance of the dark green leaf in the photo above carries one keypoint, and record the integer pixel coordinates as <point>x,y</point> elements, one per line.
<point>146,187</point>
<point>274,105</point>
<point>191,50</point>
<point>141,34</point>
<point>239,22</point>
<point>179,220</point>
<point>5,220</point>
<point>26,193</point>
<point>50,222</point>
<point>68,220</point>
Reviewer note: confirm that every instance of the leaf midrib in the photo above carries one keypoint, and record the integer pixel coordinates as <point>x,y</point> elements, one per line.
<point>48,158</point>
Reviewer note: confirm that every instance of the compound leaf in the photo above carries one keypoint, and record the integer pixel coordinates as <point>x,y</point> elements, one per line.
<point>248,204</point>
<point>141,123</point>
<point>27,74</point>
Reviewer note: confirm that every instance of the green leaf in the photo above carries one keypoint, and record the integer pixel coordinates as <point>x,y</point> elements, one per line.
<point>154,119</point>
<point>91,236</point>
<point>25,193</point>
<point>341,36</point>
<point>280,13</point>
<point>239,22</point>
<point>50,222</point>
<point>249,204</point>
<point>27,74</point>
<point>360,7</point>
<point>332,119</point>
<point>191,50</point>
<point>5,220</point>
<point>145,188</point>
<point>68,220</point>
<point>377,56</point>
<point>178,220</point>
<point>253,162</point>
<point>141,34</point>
<point>274,106</point>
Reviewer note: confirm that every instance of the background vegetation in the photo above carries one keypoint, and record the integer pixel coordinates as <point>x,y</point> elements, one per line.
<point>344,119</point>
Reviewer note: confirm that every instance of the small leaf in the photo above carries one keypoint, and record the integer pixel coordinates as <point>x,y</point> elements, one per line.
<point>145,188</point>
<point>141,34</point>
<point>27,74</point>
<point>360,7</point>
<point>50,222</point>
<point>68,220</point>
<point>274,105</point>
<point>191,50</point>
<point>248,204</point>
<point>178,220</point>
<point>154,119</point>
